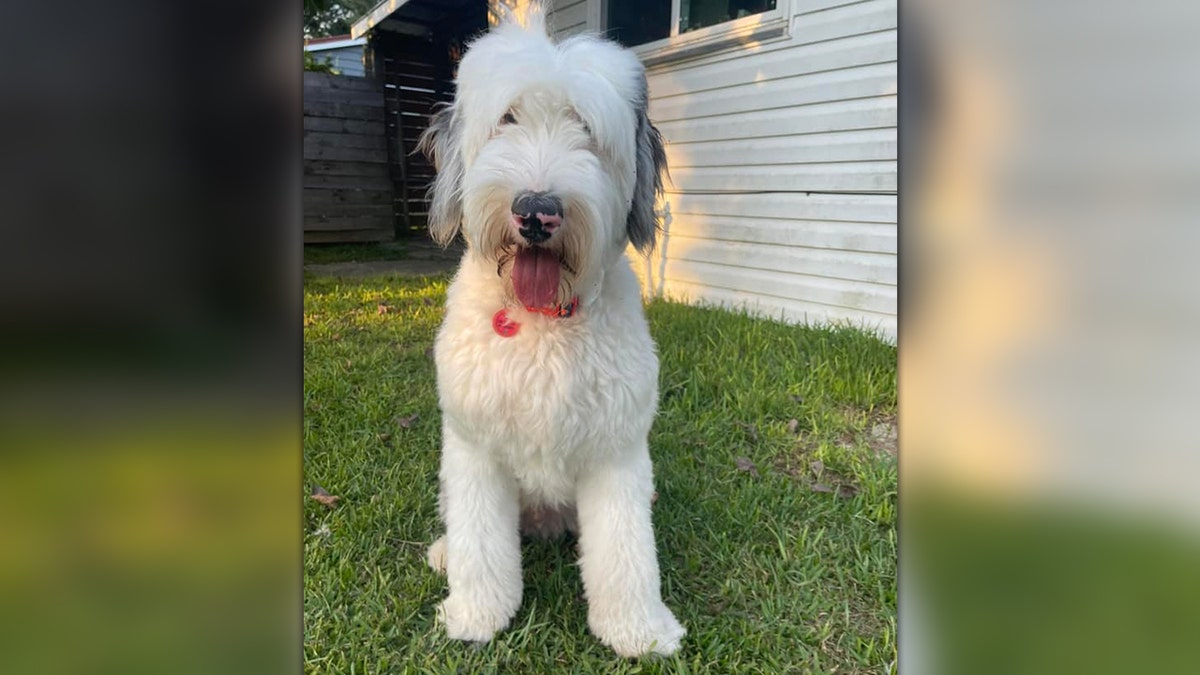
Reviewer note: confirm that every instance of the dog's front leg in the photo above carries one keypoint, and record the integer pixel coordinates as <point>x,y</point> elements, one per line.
<point>483,546</point>
<point>618,561</point>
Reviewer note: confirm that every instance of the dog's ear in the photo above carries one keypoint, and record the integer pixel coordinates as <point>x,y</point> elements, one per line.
<point>644,222</point>
<point>440,143</point>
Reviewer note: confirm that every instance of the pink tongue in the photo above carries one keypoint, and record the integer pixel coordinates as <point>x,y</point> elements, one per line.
<point>535,277</point>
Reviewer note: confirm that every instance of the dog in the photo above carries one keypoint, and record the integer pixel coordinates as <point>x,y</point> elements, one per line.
<point>547,375</point>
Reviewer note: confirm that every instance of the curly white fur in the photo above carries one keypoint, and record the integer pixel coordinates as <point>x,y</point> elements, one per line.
<point>548,428</point>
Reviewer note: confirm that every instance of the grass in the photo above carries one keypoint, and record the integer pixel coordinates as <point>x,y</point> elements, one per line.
<point>776,517</point>
<point>335,253</point>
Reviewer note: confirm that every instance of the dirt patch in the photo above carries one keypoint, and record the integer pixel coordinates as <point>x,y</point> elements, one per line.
<point>875,433</point>
<point>883,435</point>
<point>801,465</point>
<point>876,430</point>
<point>796,463</point>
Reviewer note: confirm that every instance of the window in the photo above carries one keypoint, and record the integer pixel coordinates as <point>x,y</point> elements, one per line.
<point>695,14</point>
<point>637,22</point>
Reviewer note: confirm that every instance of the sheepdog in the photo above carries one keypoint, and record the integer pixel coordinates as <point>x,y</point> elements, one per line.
<point>547,376</point>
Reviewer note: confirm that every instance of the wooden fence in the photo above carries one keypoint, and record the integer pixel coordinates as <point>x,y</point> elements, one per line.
<point>417,75</point>
<point>349,175</point>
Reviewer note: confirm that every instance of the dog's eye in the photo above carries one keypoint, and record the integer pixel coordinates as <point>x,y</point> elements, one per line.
<point>574,114</point>
<point>508,118</point>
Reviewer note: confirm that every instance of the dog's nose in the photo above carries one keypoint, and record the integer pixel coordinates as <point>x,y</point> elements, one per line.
<point>536,215</point>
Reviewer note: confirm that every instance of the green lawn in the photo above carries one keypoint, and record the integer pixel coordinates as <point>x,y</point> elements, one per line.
<point>336,253</point>
<point>774,461</point>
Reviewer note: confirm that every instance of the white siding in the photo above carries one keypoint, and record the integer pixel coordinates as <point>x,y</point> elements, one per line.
<point>347,60</point>
<point>567,17</point>
<point>783,165</point>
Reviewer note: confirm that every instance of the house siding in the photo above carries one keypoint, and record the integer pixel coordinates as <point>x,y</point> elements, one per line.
<point>783,159</point>
<point>347,60</point>
<point>567,17</point>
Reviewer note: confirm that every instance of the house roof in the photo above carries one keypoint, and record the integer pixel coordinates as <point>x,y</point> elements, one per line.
<point>332,42</point>
<point>408,16</point>
<point>378,13</point>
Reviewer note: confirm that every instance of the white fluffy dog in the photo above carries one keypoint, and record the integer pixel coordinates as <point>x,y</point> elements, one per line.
<point>547,374</point>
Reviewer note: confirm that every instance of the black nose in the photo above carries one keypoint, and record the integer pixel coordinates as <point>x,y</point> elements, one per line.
<point>537,215</point>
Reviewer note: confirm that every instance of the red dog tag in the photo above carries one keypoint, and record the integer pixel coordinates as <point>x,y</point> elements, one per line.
<point>504,326</point>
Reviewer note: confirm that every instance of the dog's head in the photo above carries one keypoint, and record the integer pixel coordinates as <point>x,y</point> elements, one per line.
<point>546,159</point>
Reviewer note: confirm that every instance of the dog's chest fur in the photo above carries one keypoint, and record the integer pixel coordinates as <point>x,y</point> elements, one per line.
<point>555,395</point>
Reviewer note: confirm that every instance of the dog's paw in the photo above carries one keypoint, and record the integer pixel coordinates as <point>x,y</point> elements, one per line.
<point>470,622</point>
<point>436,556</point>
<point>630,634</point>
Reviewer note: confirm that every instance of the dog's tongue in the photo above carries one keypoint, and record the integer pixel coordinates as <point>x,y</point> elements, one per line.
<point>535,277</point>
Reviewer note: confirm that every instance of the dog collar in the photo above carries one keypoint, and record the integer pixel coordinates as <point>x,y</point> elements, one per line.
<point>557,311</point>
<point>506,327</point>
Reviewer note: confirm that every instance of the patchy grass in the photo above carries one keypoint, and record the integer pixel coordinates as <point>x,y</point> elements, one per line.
<point>774,456</point>
<point>335,253</point>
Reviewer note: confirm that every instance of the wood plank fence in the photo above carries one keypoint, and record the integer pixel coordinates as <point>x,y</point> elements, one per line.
<point>349,177</point>
<point>417,76</point>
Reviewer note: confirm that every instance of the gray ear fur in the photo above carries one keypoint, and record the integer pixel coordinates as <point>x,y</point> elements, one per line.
<point>644,222</point>
<point>440,143</point>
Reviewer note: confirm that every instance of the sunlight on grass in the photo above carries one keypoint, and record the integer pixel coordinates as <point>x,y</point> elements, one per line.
<point>774,454</point>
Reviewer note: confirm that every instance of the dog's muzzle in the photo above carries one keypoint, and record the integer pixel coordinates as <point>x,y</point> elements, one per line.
<point>536,215</point>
